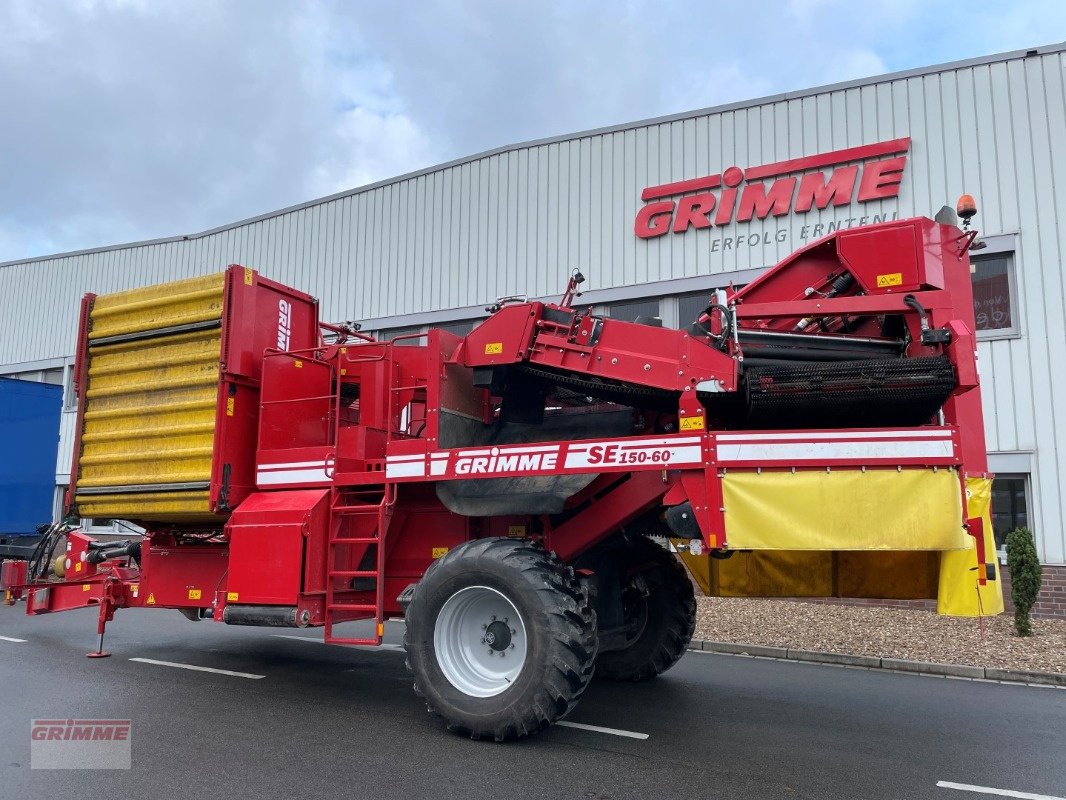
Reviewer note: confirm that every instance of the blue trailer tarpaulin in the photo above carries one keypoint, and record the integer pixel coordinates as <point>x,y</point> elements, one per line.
<point>29,439</point>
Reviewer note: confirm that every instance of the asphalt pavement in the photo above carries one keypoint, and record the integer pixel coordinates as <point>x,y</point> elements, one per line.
<point>288,717</point>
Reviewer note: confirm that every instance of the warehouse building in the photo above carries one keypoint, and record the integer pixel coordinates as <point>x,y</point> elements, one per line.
<point>658,213</point>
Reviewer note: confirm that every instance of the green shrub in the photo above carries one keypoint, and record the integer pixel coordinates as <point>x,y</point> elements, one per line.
<point>1025,577</point>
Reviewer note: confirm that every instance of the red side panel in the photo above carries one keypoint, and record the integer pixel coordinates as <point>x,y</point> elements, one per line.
<point>885,258</point>
<point>259,315</point>
<point>267,538</point>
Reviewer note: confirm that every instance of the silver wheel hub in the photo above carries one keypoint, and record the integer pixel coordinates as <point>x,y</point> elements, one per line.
<point>480,641</point>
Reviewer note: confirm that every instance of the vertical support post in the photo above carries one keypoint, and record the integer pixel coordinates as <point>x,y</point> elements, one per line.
<point>107,613</point>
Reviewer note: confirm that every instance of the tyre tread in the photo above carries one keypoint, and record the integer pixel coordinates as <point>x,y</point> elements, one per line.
<point>679,622</point>
<point>572,635</point>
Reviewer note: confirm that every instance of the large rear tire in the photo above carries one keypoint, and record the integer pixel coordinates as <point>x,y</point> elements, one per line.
<point>501,638</point>
<point>659,603</point>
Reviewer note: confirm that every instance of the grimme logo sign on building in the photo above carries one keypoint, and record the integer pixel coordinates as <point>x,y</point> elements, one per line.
<point>846,177</point>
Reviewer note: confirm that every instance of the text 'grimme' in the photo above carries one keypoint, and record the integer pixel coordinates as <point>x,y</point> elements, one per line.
<point>744,193</point>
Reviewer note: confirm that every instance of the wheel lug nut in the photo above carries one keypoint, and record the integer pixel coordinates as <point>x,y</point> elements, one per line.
<point>493,617</point>
<point>483,640</point>
<point>483,627</point>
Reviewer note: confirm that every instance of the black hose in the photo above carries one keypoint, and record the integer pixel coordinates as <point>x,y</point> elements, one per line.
<point>912,301</point>
<point>41,557</point>
<point>704,326</point>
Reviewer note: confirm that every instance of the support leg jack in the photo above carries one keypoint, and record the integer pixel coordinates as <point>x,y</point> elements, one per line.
<point>99,652</point>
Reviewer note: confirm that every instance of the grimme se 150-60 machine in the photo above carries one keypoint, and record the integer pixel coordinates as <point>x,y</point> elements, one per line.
<point>502,491</point>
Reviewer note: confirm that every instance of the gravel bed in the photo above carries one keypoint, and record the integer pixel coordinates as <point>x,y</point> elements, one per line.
<point>884,632</point>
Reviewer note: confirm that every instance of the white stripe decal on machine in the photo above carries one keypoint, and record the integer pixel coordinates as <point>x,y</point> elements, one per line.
<point>612,455</point>
<point>405,469</point>
<point>824,451</point>
<point>290,465</point>
<point>830,435</point>
<point>274,477</point>
<point>936,445</point>
<point>415,457</point>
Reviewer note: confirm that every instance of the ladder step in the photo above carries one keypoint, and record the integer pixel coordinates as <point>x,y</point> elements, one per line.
<point>367,509</point>
<point>352,607</point>
<point>354,540</point>
<point>364,642</point>
<point>354,573</point>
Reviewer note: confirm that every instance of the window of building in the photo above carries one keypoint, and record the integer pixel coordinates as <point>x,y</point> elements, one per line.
<point>98,524</point>
<point>690,306</point>
<point>1010,506</point>
<point>631,309</point>
<point>391,334</point>
<point>38,375</point>
<point>994,306</point>
<point>459,328</point>
<point>70,399</point>
<point>59,502</point>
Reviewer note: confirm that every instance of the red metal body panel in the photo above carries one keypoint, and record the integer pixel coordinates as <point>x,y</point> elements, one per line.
<point>258,315</point>
<point>596,346</point>
<point>267,538</point>
<point>176,575</point>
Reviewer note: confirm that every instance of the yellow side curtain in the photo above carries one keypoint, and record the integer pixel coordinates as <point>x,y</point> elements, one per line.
<point>812,573</point>
<point>879,509</point>
<point>961,594</point>
<point>950,576</point>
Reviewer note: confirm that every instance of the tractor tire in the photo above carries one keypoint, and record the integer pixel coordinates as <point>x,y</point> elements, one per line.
<point>501,638</point>
<point>665,616</point>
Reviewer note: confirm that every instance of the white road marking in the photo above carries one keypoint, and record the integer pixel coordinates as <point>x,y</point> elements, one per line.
<point>198,669</point>
<point>597,729</point>
<point>965,787</point>
<point>309,640</point>
<point>11,639</point>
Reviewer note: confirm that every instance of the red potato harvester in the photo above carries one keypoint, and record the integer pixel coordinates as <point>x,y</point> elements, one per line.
<point>818,431</point>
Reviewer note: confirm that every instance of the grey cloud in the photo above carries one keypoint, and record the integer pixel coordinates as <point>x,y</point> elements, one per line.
<point>128,120</point>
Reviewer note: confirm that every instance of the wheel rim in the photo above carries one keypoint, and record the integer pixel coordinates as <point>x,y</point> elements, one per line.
<point>480,641</point>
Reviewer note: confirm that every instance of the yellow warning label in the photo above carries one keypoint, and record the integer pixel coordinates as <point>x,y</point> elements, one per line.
<point>85,587</point>
<point>229,406</point>
<point>77,567</point>
<point>231,597</point>
<point>439,551</point>
<point>516,531</point>
<point>692,424</point>
<point>890,279</point>
<point>493,348</point>
<point>297,363</point>
<point>249,276</point>
<point>151,599</point>
<point>194,594</point>
<point>134,588</point>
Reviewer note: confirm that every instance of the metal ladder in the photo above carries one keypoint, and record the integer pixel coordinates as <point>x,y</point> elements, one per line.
<point>346,508</point>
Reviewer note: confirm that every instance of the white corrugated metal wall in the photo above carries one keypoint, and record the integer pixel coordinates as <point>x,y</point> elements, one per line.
<point>517,220</point>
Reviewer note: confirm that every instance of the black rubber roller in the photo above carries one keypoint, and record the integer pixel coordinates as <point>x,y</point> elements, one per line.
<point>867,393</point>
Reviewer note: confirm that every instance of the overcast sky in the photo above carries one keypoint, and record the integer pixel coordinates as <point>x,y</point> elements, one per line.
<point>123,120</point>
